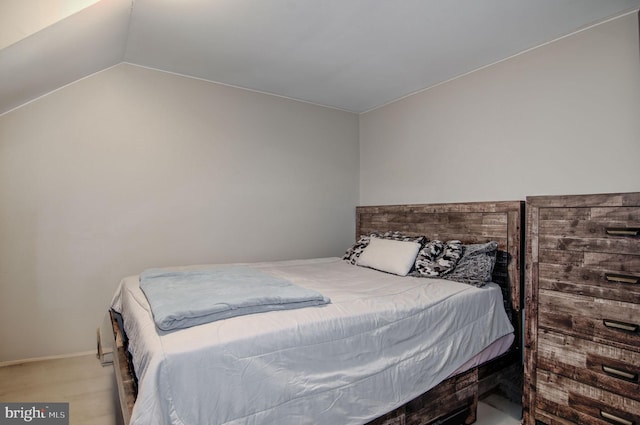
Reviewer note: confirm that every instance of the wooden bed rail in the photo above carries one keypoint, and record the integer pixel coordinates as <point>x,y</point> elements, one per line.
<point>125,379</point>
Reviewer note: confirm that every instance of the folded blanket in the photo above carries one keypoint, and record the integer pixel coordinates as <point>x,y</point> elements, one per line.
<point>181,299</point>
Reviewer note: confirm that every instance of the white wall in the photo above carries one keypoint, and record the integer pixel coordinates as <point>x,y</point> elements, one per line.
<point>20,19</point>
<point>563,118</point>
<point>134,168</point>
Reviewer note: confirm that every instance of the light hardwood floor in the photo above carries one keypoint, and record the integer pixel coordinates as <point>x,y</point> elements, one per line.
<point>89,388</point>
<point>497,410</point>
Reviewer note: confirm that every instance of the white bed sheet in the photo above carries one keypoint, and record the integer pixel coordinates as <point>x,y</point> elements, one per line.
<point>381,342</point>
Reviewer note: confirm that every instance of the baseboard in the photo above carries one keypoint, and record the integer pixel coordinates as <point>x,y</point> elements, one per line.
<point>39,359</point>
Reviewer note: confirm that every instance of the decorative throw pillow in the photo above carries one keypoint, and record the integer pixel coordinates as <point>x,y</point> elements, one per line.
<point>476,264</point>
<point>354,252</point>
<point>389,255</point>
<point>438,258</point>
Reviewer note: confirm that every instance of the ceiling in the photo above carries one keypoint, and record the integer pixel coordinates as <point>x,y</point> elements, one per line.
<point>354,55</point>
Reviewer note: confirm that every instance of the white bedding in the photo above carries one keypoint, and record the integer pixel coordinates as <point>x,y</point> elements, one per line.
<point>382,341</point>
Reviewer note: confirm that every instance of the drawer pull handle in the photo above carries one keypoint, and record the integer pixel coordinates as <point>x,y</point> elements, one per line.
<point>617,373</point>
<point>620,326</point>
<point>623,231</point>
<point>621,278</point>
<point>616,419</point>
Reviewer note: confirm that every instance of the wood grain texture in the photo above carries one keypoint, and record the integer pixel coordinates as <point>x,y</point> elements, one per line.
<point>580,403</point>
<point>582,340</point>
<point>474,222</point>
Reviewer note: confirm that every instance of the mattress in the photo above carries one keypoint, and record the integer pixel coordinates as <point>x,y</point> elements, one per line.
<point>382,341</point>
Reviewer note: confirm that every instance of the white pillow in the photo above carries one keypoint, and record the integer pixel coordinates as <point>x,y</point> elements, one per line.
<point>389,256</point>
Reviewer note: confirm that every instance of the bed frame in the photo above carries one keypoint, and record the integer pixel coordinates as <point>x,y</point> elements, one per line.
<point>453,401</point>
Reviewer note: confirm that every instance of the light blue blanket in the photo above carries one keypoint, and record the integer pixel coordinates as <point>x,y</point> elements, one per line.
<point>181,299</point>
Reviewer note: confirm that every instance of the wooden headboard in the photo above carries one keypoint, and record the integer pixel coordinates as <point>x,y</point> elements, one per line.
<point>474,222</point>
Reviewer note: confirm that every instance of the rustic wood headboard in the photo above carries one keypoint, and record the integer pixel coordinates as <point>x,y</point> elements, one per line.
<point>474,222</point>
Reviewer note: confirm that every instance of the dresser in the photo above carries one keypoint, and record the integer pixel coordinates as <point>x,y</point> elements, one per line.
<point>582,320</point>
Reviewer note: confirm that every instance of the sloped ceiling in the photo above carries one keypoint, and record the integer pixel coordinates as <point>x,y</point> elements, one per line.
<point>353,55</point>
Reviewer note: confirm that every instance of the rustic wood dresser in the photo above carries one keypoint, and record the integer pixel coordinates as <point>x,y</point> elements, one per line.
<point>582,338</point>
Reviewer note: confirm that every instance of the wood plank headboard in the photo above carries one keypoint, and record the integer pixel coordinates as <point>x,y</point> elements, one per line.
<point>474,222</point>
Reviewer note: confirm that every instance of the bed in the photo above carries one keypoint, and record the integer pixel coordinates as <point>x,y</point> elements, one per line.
<point>385,350</point>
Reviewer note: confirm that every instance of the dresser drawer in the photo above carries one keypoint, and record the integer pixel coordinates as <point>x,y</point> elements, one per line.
<point>593,260</point>
<point>612,281</point>
<point>603,366</point>
<point>568,399</point>
<point>590,222</point>
<point>596,229</point>
<point>619,245</point>
<point>609,321</point>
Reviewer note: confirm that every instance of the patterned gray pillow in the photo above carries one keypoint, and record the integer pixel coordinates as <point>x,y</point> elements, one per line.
<point>353,253</point>
<point>475,267</point>
<point>438,258</point>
